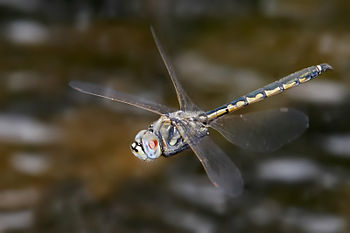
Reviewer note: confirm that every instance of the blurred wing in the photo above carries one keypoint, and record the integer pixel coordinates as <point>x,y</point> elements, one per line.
<point>107,93</point>
<point>262,131</point>
<point>185,102</point>
<point>221,171</point>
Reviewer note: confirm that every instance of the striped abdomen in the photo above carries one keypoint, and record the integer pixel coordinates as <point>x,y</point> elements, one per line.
<point>274,88</point>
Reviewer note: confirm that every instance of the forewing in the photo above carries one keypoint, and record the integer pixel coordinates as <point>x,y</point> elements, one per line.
<point>220,169</point>
<point>108,93</point>
<point>185,102</point>
<point>262,131</point>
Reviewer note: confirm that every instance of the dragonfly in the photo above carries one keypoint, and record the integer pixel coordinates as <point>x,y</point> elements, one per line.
<point>188,127</point>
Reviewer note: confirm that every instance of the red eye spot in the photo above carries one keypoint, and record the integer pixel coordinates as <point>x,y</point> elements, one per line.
<point>153,144</point>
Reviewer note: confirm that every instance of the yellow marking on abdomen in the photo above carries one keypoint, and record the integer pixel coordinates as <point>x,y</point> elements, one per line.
<point>221,112</point>
<point>304,79</point>
<point>273,91</point>
<point>212,116</point>
<point>240,103</point>
<point>254,99</point>
<point>289,85</point>
<point>217,113</point>
<point>231,107</point>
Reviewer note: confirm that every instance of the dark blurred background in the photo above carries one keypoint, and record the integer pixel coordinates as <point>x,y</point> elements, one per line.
<point>66,165</point>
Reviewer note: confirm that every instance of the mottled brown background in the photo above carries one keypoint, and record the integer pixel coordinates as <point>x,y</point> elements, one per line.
<point>65,163</point>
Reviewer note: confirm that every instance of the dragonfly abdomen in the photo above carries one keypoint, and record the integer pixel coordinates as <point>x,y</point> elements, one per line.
<point>271,89</point>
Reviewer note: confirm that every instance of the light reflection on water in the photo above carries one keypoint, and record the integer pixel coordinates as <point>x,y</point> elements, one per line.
<point>31,164</point>
<point>338,145</point>
<point>18,129</point>
<point>26,32</point>
<point>65,159</point>
<point>288,170</point>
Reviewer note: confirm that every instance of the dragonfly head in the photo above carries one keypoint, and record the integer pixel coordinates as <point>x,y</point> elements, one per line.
<point>146,146</point>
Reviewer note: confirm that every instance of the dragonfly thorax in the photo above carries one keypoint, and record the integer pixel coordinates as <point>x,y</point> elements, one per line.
<point>166,135</point>
<point>173,128</point>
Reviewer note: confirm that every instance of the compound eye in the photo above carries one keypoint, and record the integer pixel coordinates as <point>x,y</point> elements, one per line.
<point>139,135</point>
<point>151,145</point>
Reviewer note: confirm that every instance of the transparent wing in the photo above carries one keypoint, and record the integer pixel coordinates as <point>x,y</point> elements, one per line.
<point>185,102</point>
<point>262,131</point>
<point>107,93</point>
<point>220,169</point>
